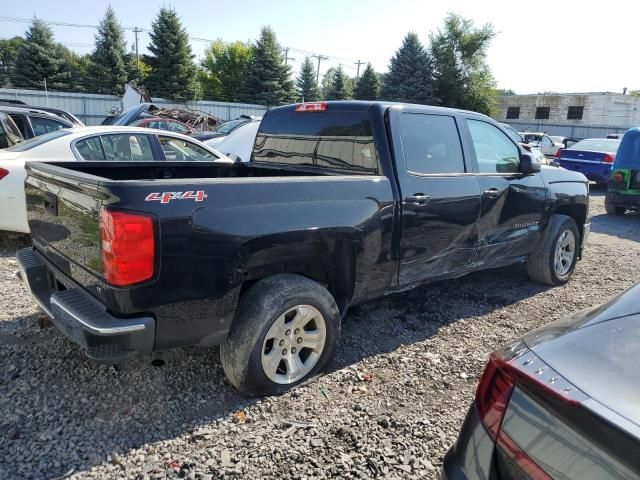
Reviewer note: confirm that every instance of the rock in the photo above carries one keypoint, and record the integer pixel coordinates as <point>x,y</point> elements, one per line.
<point>225,458</point>
<point>383,422</point>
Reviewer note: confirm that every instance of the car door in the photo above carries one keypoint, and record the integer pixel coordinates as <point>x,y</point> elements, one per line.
<point>179,150</point>
<point>440,201</point>
<point>123,147</point>
<point>512,203</point>
<point>546,146</point>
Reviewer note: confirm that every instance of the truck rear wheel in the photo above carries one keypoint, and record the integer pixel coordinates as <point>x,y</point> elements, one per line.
<point>613,209</point>
<point>555,260</point>
<point>286,329</point>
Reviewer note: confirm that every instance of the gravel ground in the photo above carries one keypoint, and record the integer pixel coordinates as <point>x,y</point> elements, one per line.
<point>423,350</point>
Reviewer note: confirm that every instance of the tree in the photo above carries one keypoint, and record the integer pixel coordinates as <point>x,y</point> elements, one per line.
<point>306,82</point>
<point>224,68</point>
<point>268,79</point>
<point>173,73</point>
<point>368,86</point>
<point>108,68</point>
<point>78,67</point>
<point>462,76</point>
<point>39,59</point>
<point>410,76</point>
<point>8,54</point>
<point>338,86</point>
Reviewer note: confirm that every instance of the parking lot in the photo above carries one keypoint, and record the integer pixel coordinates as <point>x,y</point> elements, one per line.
<point>391,405</point>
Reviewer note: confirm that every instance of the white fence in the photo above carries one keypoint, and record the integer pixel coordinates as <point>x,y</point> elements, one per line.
<point>91,108</point>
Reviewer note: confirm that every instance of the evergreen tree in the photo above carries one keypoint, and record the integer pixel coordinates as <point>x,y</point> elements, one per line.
<point>410,78</point>
<point>109,64</point>
<point>338,88</point>
<point>78,67</point>
<point>368,86</point>
<point>462,77</point>
<point>9,49</point>
<point>173,73</point>
<point>268,79</point>
<point>224,68</point>
<point>306,82</point>
<point>39,60</point>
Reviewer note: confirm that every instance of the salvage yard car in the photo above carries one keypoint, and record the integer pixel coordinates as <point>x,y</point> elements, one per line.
<point>87,144</point>
<point>593,157</point>
<point>343,202</point>
<point>561,402</point>
<point>623,192</point>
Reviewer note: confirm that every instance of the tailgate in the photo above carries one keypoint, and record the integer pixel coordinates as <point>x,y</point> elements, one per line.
<point>63,213</point>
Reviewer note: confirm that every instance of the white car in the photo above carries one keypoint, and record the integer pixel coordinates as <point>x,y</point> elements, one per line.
<point>238,143</point>
<point>103,143</point>
<point>542,142</point>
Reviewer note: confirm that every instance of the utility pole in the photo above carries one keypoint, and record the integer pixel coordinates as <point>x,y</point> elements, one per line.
<point>136,30</point>
<point>320,58</point>
<point>358,63</point>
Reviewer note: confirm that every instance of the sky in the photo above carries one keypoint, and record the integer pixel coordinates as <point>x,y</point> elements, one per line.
<point>541,46</point>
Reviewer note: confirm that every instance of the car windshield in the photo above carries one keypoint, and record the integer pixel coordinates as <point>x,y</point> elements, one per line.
<point>229,126</point>
<point>35,141</point>
<point>532,138</point>
<point>515,136</point>
<point>597,145</point>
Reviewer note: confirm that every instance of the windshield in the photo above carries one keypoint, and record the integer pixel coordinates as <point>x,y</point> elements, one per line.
<point>35,141</point>
<point>230,126</point>
<point>515,136</point>
<point>532,138</point>
<point>597,145</point>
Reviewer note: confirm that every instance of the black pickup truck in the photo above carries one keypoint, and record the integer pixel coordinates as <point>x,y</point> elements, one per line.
<point>342,202</point>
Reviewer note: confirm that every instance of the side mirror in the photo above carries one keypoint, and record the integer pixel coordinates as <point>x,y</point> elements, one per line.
<point>529,163</point>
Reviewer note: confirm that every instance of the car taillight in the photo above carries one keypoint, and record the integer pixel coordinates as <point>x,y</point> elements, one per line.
<point>517,365</point>
<point>617,177</point>
<point>3,173</point>
<point>559,153</point>
<point>311,107</point>
<point>608,158</point>
<point>128,247</point>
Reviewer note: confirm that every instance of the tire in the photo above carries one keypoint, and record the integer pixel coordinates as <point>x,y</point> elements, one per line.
<point>542,266</point>
<point>278,304</point>
<point>613,209</point>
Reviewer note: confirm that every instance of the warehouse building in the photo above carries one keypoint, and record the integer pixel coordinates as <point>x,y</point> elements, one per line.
<point>578,115</point>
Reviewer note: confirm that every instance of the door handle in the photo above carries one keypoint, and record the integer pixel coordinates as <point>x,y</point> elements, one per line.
<point>491,193</point>
<point>418,198</point>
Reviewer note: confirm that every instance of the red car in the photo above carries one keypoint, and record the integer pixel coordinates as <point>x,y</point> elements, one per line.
<point>164,124</point>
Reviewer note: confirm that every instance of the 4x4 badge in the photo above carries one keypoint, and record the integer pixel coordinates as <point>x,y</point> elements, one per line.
<point>166,197</point>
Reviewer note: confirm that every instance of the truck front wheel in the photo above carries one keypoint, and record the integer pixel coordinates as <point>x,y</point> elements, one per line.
<point>286,329</point>
<point>555,259</point>
<point>613,209</point>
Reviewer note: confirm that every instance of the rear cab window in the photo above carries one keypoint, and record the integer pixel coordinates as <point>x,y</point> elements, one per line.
<point>334,139</point>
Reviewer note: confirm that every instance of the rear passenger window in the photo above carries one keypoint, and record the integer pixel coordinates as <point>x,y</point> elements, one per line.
<point>90,149</point>
<point>44,125</point>
<point>431,143</point>
<point>126,147</point>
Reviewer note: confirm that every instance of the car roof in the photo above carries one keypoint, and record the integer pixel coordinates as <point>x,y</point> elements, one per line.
<point>26,110</point>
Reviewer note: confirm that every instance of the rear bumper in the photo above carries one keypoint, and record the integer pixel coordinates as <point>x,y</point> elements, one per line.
<point>472,456</point>
<point>597,172</point>
<point>83,319</point>
<point>628,200</point>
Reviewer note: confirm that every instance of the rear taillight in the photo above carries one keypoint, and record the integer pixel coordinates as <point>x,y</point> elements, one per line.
<point>511,366</point>
<point>311,107</point>
<point>128,247</point>
<point>617,177</point>
<point>608,158</point>
<point>493,393</point>
<point>3,173</point>
<point>559,153</point>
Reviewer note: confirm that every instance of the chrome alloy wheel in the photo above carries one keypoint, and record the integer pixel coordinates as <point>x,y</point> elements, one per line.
<point>565,252</point>
<point>293,345</point>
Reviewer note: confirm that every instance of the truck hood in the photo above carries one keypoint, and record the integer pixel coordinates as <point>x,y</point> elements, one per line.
<point>555,175</point>
<point>597,350</point>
